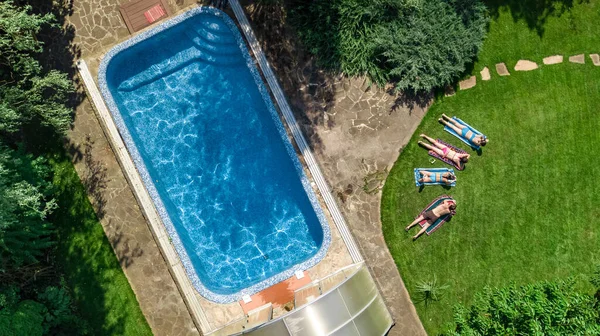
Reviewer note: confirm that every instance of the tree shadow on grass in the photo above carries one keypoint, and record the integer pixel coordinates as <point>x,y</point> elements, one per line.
<point>100,288</point>
<point>534,12</point>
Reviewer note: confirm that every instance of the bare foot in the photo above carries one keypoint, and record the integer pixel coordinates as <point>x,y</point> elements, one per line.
<point>422,135</point>
<point>415,238</point>
<point>407,228</point>
<point>445,116</point>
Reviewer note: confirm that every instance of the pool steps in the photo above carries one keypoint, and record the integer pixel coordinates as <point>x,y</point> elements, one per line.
<point>210,46</point>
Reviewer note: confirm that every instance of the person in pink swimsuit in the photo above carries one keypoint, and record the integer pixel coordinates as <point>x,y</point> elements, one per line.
<point>444,151</point>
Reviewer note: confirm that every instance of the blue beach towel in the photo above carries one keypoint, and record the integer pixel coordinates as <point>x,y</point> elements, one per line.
<point>451,131</point>
<point>433,170</point>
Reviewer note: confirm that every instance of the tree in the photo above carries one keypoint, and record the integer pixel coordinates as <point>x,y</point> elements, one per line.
<point>29,94</point>
<point>416,44</point>
<point>24,204</point>
<point>544,308</point>
<point>49,312</point>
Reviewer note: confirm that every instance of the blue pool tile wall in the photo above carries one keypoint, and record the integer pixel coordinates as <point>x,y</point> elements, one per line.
<point>208,143</point>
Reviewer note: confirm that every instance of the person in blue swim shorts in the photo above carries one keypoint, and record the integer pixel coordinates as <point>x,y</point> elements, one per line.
<point>447,178</point>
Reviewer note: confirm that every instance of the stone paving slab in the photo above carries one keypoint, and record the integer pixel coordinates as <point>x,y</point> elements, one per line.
<point>485,74</point>
<point>467,83</point>
<point>595,59</point>
<point>579,59</point>
<point>502,70</point>
<point>553,59</point>
<point>525,65</point>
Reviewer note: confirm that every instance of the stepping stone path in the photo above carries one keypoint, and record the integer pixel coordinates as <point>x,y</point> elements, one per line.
<point>525,65</point>
<point>522,65</point>
<point>502,70</point>
<point>595,59</point>
<point>553,59</point>
<point>485,74</point>
<point>467,83</point>
<point>580,59</point>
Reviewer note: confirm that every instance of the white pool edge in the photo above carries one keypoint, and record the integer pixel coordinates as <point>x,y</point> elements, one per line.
<point>159,231</point>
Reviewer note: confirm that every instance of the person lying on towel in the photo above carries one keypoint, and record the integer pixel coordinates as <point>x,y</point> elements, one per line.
<point>447,207</point>
<point>430,177</point>
<point>464,131</point>
<point>444,151</point>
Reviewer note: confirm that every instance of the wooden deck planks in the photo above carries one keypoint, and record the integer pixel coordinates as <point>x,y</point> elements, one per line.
<point>133,13</point>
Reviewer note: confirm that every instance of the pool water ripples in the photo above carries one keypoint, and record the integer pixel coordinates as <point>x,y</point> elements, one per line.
<point>209,139</point>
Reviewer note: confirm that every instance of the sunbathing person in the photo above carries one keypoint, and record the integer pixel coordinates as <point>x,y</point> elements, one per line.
<point>446,207</point>
<point>447,178</point>
<point>464,131</point>
<point>444,151</point>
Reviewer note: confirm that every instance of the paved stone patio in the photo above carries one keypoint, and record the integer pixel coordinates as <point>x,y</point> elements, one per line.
<point>356,131</point>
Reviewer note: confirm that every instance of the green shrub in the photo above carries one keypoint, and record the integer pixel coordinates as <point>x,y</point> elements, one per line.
<point>545,308</point>
<point>417,45</point>
<point>430,291</point>
<point>29,94</point>
<point>50,313</point>
<point>25,202</point>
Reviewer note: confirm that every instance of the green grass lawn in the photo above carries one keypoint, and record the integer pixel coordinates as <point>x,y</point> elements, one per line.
<point>528,206</point>
<point>101,291</point>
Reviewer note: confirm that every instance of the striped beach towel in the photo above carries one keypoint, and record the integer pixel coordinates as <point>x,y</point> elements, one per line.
<point>451,131</point>
<point>433,170</point>
<point>446,160</point>
<point>440,221</point>
<point>154,13</point>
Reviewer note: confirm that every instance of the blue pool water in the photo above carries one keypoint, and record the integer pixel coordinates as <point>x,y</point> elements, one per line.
<point>212,151</point>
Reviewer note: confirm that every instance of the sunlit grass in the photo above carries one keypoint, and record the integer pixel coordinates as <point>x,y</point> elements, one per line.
<point>527,207</point>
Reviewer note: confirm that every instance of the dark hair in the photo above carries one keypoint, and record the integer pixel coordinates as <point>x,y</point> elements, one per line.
<point>464,159</point>
<point>483,141</point>
<point>452,206</point>
<point>452,176</point>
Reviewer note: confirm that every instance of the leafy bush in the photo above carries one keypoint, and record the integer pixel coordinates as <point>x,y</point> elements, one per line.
<point>24,204</point>
<point>545,308</point>
<point>416,44</point>
<point>47,314</point>
<point>28,93</point>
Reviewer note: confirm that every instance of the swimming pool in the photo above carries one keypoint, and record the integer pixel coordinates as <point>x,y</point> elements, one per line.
<point>213,154</point>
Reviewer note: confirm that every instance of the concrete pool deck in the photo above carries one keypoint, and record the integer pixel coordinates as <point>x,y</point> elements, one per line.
<point>359,135</point>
